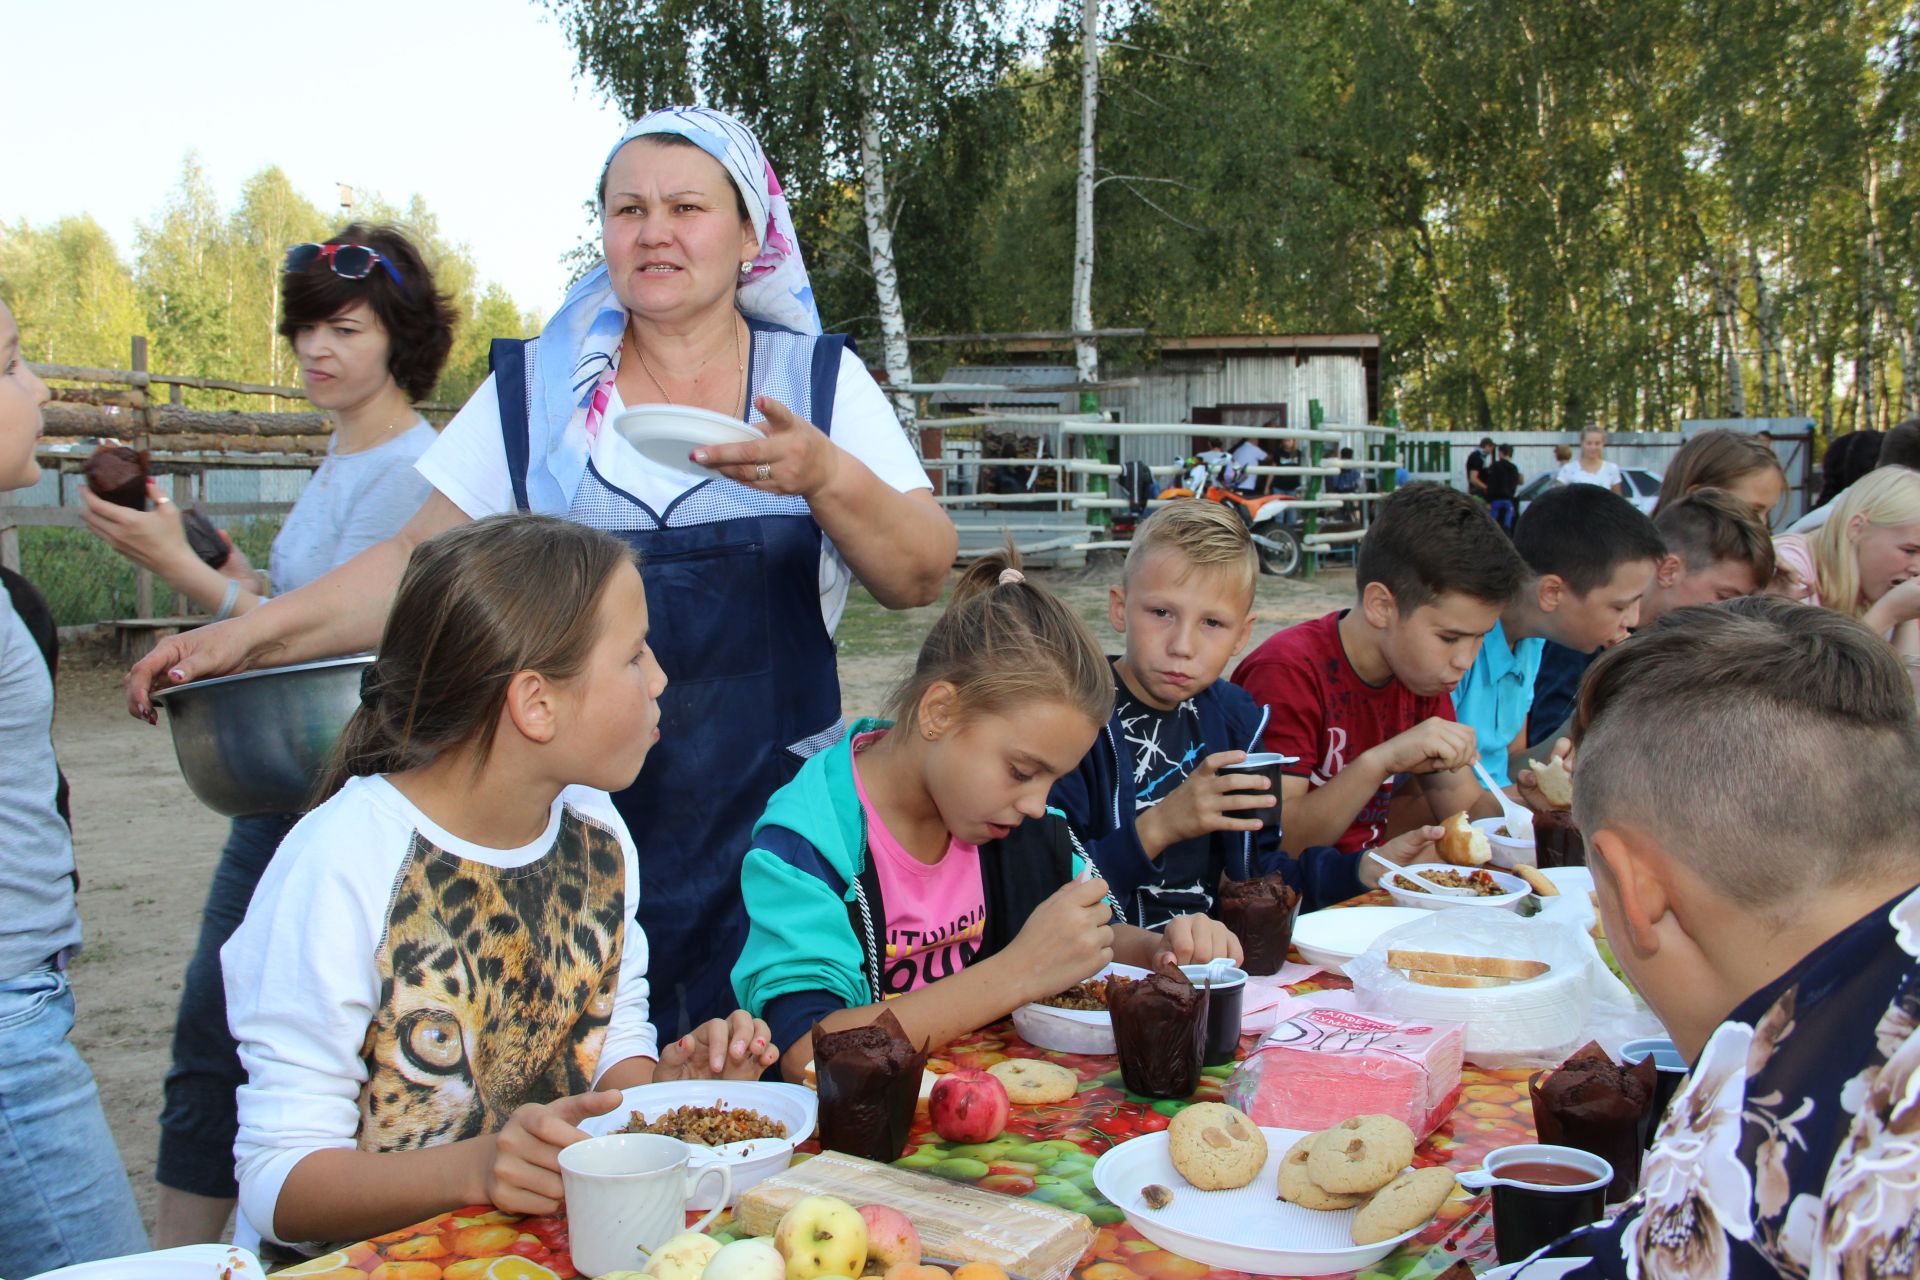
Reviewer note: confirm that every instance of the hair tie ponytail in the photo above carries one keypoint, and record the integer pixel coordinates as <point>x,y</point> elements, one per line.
<point>1009,576</point>
<point>369,684</point>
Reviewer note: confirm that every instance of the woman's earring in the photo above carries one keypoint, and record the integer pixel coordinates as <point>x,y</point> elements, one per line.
<point>746,269</point>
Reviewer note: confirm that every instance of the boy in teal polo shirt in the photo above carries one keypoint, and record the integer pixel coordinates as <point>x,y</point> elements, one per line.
<point>1591,556</point>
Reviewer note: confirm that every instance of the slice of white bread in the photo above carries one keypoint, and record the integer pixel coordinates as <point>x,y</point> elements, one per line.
<point>1537,881</point>
<point>1467,966</point>
<point>1464,845</point>
<point>1554,782</point>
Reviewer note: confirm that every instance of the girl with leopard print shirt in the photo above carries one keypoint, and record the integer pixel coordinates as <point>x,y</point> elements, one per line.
<point>441,975</point>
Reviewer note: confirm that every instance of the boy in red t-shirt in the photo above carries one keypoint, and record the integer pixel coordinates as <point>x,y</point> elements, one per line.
<point>1361,695</point>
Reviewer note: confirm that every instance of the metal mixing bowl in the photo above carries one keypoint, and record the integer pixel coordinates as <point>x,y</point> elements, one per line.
<point>258,742</point>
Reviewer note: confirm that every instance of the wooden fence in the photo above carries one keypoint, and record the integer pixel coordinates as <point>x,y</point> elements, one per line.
<point>123,404</point>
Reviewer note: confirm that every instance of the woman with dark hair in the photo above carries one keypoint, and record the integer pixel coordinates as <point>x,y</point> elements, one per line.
<point>371,333</point>
<point>749,550</point>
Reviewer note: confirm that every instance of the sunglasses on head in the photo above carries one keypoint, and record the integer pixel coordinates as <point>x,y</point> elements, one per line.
<point>350,261</point>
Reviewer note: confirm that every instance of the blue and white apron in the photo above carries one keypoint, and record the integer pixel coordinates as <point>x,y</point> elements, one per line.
<point>732,577</point>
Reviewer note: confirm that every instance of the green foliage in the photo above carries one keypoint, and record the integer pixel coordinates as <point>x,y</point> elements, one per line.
<point>204,286</point>
<point>69,279</point>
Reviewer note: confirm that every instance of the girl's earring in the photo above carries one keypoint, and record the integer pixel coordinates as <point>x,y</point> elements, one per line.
<point>746,269</point>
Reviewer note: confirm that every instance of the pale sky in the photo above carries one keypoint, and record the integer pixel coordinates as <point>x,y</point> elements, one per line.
<point>474,104</point>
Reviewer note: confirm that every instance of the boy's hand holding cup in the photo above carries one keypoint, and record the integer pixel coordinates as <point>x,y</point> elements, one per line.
<point>1222,794</point>
<point>519,1167</point>
<point>1066,940</point>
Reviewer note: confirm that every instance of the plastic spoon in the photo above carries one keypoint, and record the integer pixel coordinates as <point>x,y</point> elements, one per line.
<point>1518,817</point>
<point>1480,1180</point>
<point>1444,891</point>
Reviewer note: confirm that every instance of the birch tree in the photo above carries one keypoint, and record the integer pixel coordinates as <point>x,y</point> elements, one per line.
<point>1086,354</point>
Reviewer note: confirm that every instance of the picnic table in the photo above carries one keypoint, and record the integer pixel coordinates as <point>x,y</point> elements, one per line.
<point>1056,1166</point>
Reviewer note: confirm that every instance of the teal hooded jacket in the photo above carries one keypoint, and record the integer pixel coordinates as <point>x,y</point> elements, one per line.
<point>816,923</point>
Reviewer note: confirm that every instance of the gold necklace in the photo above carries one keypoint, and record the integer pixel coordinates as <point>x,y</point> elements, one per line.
<point>739,368</point>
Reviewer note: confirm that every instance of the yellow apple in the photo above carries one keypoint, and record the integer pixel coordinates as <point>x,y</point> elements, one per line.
<point>822,1236</point>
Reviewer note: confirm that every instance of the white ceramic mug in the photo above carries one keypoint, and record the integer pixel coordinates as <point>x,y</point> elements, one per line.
<point>627,1195</point>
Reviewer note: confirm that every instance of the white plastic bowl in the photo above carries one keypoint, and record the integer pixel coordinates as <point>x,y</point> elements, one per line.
<point>1072,1030</point>
<point>1516,889</point>
<point>1507,851</point>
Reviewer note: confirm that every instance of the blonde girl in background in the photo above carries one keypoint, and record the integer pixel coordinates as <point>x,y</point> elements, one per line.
<point>1865,560</point>
<point>1592,467</point>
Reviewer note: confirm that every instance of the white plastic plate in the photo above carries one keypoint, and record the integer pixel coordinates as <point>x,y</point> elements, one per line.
<point>1332,937</point>
<point>667,433</point>
<point>1245,1230</point>
<point>189,1262</point>
<point>790,1104</point>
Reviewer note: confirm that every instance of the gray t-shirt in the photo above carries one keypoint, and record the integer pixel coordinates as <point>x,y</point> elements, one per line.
<point>352,501</point>
<point>37,914</point>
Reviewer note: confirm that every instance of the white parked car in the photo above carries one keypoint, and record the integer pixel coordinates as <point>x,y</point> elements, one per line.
<point>1642,487</point>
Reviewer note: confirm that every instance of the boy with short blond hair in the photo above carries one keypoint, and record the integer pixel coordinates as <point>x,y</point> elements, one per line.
<point>1150,801</point>
<point>1360,697</point>
<point>1745,782</point>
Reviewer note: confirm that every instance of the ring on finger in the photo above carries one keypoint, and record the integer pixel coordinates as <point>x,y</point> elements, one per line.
<point>763,472</point>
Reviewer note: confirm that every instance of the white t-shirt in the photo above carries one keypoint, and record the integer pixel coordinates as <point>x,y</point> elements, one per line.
<point>383,986</point>
<point>1247,454</point>
<point>351,502</point>
<point>468,462</point>
<point>1606,477</point>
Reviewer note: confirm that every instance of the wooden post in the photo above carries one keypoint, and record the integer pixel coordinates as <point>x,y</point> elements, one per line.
<point>142,578</point>
<point>1310,562</point>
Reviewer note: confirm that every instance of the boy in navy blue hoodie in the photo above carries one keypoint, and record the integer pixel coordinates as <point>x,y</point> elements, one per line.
<point>1151,802</point>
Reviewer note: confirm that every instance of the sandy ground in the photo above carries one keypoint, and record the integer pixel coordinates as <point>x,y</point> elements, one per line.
<point>147,848</point>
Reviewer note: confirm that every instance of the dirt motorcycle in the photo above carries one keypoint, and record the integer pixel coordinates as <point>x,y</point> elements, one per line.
<point>1210,478</point>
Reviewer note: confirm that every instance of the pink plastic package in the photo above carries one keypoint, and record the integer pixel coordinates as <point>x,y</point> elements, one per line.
<point>1325,1061</point>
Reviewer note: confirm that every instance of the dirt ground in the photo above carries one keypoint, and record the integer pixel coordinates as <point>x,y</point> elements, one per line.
<point>147,848</point>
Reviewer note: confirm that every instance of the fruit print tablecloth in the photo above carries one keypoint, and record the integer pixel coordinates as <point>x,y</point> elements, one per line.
<point>1046,1154</point>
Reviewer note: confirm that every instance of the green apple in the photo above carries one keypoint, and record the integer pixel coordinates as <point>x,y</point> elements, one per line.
<point>822,1236</point>
<point>684,1257</point>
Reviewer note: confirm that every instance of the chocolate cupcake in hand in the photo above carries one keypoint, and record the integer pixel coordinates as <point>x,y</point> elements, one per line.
<point>119,475</point>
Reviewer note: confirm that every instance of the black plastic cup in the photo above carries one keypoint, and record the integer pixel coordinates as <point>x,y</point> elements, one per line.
<point>1670,1074</point>
<point>1224,999</point>
<point>1267,765</point>
<point>1527,1216</point>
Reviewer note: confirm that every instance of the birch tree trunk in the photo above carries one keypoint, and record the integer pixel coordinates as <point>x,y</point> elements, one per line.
<point>886,280</point>
<point>1724,285</point>
<point>1086,356</point>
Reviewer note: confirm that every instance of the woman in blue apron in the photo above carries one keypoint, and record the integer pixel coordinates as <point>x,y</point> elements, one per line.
<point>703,302</point>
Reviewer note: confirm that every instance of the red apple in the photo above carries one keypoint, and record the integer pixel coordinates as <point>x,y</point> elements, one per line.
<point>969,1106</point>
<point>891,1240</point>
